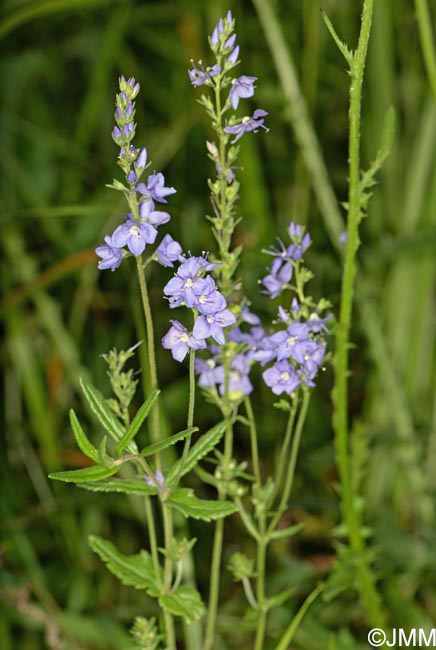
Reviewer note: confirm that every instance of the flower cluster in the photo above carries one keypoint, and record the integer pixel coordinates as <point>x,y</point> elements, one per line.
<point>296,350</point>
<point>193,287</point>
<point>281,270</point>
<point>223,45</point>
<point>141,223</point>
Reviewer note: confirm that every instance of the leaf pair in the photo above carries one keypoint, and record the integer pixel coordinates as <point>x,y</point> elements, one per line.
<point>138,571</point>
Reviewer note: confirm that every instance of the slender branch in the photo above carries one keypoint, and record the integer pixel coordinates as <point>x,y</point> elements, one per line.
<point>253,439</point>
<point>150,349</point>
<point>285,445</point>
<point>292,462</point>
<point>289,634</point>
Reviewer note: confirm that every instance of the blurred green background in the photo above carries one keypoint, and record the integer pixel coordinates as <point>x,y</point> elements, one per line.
<point>60,60</point>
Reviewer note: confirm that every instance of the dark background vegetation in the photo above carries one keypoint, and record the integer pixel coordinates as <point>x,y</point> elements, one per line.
<point>60,60</point>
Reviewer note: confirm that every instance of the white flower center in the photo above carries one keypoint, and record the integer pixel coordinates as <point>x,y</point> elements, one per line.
<point>292,340</point>
<point>134,230</point>
<point>246,119</point>
<point>184,337</point>
<point>202,299</point>
<point>209,319</point>
<point>284,376</point>
<point>189,283</point>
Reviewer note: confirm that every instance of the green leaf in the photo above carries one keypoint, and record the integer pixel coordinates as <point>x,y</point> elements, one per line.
<point>186,502</point>
<point>87,474</point>
<point>202,447</point>
<point>82,441</point>
<point>137,422</point>
<point>101,409</point>
<point>126,486</point>
<point>185,602</point>
<point>133,570</point>
<point>287,532</point>
<point>163,444</point>
<point>281,598</point>
<point>345,51</point>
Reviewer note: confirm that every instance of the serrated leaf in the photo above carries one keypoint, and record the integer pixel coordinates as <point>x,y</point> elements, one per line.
<point>125,486</point>
<point>187,503</point>
<point>137,422</point>
<point>168,442</point>
<point>101,409</point>
<point>287,532</point>
<point>185,602</point>
<point>87,474</point>
<point>82,441</point>
<point>201,448</point>
<point>133,570</point>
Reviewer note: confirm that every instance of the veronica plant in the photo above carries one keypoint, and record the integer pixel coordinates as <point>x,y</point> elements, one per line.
<point>222,339</point>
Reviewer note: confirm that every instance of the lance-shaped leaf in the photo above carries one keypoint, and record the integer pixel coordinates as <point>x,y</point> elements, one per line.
<point>85,475</point>
<point>186,502</point>
<point>185,602</point>
<point>126,486</point>
<point>201,448</point>
<point>82,441</point>
<point>133,570</point>
<point>137,422</point>
<point>163,444</point>
<point>101,409</point>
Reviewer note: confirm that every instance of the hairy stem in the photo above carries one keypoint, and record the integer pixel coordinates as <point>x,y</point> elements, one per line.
<point>368,593</point>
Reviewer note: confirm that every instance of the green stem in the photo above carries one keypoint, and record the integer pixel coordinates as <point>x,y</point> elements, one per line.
<point>153,539</point>
<point>368,593</point>
<point>150,349</point>
<point>190,420</point>
<point>215,571</point>
<point>292,461</point>
<point>289,634</point>
<point>214,585</point>
<point>285,446</point>
<point>253,438</point>
<point>427,43</point>
<point>168,575</point>
<point>262,545</point>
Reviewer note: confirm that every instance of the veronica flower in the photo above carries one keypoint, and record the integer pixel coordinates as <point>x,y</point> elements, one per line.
<point>242,88</point>
<point>253,123</point>
<point>208,299</point>
<point>289,342</point>
<point>111,255</point>
<point>199,77</point>
<point>213,325</point>
<point>279,275</point>
<point>209,372</point>
<point>182,285</point>
<point>169,251</point>
<point>281,378</point>
<point>238,380</point>
<point>178,340</point>
<point>135,235</point>
<point>155,188</point>
<point>149,215</point>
